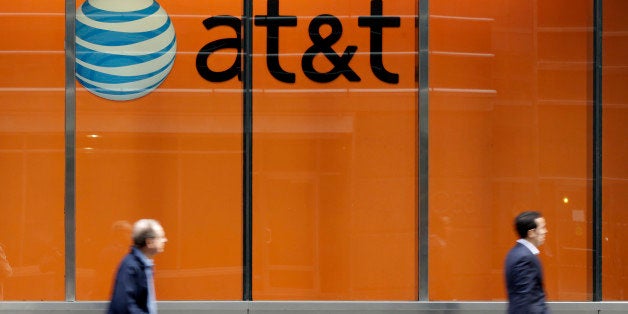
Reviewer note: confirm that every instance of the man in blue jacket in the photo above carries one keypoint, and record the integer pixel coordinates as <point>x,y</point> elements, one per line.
<point>133,290</point>
<point>523,271</point>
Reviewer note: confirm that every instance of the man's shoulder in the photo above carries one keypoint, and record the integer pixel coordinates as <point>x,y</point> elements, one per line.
<point>130,260</point>
<point>518,251</point>
<point>516,248</point>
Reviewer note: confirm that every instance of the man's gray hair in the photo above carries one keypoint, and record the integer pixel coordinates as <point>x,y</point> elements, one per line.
<point>144,229</point>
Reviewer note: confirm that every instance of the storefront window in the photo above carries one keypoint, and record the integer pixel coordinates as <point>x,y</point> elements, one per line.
<point>615,152</point>
<point>334,151</point>
<point>162,120</point>
<point>174,154</point>
<point>32,150</point>
<point>510,130</point>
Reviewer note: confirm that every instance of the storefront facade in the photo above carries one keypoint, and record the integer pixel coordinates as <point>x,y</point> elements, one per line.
<point>353,156</point>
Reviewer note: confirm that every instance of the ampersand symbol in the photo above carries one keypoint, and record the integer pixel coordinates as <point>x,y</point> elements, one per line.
<point>323,46</point>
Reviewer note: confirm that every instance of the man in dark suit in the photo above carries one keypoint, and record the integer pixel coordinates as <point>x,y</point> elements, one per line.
<point>523,271</point>
<point>133,290</point>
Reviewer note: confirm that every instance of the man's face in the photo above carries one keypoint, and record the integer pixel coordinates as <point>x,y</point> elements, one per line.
<point>537,235</point>
<point>157,244</point>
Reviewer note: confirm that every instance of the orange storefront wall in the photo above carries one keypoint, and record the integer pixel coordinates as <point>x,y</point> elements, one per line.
<point>334,169</point>
<point>174,155</point>
<point>615,151</point>
<point>510,130</point>
<point>32,149</point>
<point>335,164</point>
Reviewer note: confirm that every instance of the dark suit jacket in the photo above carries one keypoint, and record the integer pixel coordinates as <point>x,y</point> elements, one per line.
<point>524,281</point>
<point>130,290</point>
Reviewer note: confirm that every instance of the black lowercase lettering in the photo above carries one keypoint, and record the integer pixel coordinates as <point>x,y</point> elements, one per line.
<point>377,22</point>
<point>272,20</point>
<point>203,56</point>
<point>323,46</point>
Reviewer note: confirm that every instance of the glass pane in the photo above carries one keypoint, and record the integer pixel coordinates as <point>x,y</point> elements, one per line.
<point>615,151</point>
<point>32,150</point>
<point>174,154</point>
<point>510,130</point>
<point>335,150</point>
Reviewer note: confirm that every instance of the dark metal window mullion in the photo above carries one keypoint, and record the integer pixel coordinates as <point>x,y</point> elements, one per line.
<point>423,150</point>
<point>597,150</point>
<point>247,157</point>
<point>70,152</point>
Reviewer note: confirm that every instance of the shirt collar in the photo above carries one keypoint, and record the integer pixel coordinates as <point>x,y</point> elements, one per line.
<point>530,246</point>
<point>145,260</point>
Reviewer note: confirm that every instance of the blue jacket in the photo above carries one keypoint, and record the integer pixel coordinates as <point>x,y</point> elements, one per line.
<point>524,281</point>
<point>130,290</point>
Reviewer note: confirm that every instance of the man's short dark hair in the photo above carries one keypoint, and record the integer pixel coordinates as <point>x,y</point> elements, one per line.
<point>142,230</point>
<point>525,222</point>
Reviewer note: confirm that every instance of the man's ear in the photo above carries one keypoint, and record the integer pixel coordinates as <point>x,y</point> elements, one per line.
<point>530,234</point>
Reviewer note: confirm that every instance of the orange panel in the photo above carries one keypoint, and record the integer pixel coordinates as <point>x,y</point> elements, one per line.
<point>615,152</point>
<point>335,177</point>
<point>174,155</point>
<point>32,150</point>
<point>509,131</point>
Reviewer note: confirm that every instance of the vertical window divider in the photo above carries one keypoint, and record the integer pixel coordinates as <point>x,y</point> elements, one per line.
<point>597,150</point>
<point>247,143</point>
<point>423,150</point>
<point>70,152</point>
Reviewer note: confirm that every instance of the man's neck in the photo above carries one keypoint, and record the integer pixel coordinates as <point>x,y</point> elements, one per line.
<point>144,252</point>
<point>528,244</point>
<point>147,252</point>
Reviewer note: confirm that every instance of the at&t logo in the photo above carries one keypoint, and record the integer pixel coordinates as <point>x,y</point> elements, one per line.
<point>124,48</point>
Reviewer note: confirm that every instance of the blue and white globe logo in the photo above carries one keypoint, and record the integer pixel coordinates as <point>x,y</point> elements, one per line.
<point>124,48</point>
